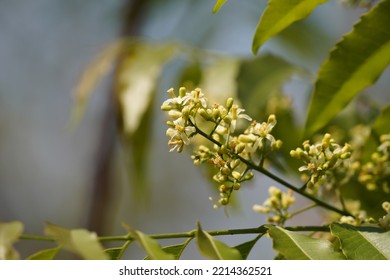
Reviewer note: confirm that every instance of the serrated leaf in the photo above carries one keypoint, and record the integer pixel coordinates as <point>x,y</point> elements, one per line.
<point>356,62</point>
<point>213,248</point>
<point>218,5</point>
<point>246,247</point>
<point>278,15</point>
<point>151,246</point>
<point>136,81</point>
<point>297,246</point>
<point>363,243</point>
<point>9,234</point>
<point>48,254</point>
<point>78,241</point>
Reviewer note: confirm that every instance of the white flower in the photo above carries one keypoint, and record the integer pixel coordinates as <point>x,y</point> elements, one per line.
<point>235,113</point>
<point>197,97</point>
<point>180,134</point>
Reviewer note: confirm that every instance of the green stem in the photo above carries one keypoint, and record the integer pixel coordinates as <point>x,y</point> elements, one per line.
<point>190,234</point>
<point>302,210</point>
<point>279,180</point>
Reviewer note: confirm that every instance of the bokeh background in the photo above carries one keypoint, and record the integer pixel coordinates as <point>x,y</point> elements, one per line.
<point>49,171</point>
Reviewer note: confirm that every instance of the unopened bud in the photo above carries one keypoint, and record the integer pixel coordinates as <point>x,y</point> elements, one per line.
<point>182,91</point>
<point>229,103</point>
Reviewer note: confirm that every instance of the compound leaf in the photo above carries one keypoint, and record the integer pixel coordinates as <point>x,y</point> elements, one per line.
<point>363,243</point>
<point>215,249</point>
<point>297,246</point>
<point>278,15</point>
<point>356,62</point>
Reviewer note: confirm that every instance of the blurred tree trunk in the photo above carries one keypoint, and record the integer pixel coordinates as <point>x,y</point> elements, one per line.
<point>108,134</point>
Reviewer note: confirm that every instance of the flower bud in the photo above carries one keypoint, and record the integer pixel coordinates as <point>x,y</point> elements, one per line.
<point>236,175</point>
<point>248,176</point>
<point>236,186</point>
<point>182,91</point>
<point>171,92</point>
<point>166,107</point>
<point>229,103</point>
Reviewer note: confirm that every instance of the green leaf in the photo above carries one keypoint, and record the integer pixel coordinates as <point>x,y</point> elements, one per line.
<point>9,234</point>
<point>151,246</point>
<point>48,254</point>
<point>379,127</point>
<point>219,79</point>
<point>213,248</point>
<point>246,248</point>
<point>136,81</point>
<point>218,5</point>
<point>356,62</point>
<point>363,243</point>
<point>175,250</point>
<point>91,76</point>
<point>78,241</point>
<point>87,244</point>
<point>297,246</point>
<point>261,77</point>
<point>114,253</point>
<point>278,15</point>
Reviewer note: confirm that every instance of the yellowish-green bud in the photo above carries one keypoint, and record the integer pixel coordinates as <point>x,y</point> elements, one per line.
<point>171,92</point>
<point>174,114</point>
<point>274,191</point>
<point>225,171</point>
<point>326,140</point>
<point>204,114</point>
<point>249,176</point>
<point>247,138</point>
<point>182,91</point>
<point>229,103</point>
<point>271,119</point>
<point>236,175</point>
<point>236,186</point>
<point>166,107</point>
<point>240,148</point>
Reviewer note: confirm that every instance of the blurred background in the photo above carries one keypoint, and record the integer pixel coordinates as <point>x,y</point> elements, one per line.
<point>81,176</point>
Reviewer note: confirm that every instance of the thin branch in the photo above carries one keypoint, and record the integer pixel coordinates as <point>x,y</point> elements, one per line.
<point>278,179</point>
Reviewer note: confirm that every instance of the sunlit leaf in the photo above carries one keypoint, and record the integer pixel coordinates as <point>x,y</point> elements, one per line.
<point>297,246</point>
<point>9,234</point>
<point>175,250</point>
<point>278,15</point>
<point>219,79</point>
<point>87,244</point>
<point>78,241</point>
<point>151,246</point>
<point>92,75</point>
<point>363,243</point>
<point>246,247</point>
<point>48,254</point>
<point>355,63</point>
<point>136,81</point>
<point>215,249</point>
<point>218,5</point>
